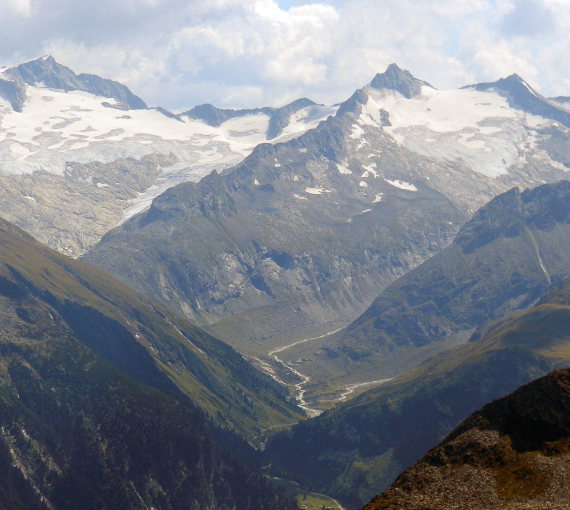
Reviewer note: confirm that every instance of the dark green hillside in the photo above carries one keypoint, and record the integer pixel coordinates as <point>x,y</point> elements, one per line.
<point>139,337</point>
<point>357,449</point>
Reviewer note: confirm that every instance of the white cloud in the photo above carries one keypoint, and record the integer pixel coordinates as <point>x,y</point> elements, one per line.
<point>19,7</point>
<point>251,52</point>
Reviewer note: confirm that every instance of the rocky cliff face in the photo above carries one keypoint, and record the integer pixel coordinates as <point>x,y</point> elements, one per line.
<point>291,237</point>
<point>279,118</point>
<point>47,72</point>
<point>72,211</point>
<point>513,454</point>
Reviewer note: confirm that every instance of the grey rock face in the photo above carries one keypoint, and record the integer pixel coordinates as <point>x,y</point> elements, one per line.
<point>71,212</point>
<point>47,71</point>
<point>399,80</point>
<point>561,101</point>
<point>346,208</point>
<point>109,88</point>
<point>14,93</point>
<point>354,103</point>
<point>210,114</point>
<point>291,230</point>
<point>503,259</point>
<point>279,117</point>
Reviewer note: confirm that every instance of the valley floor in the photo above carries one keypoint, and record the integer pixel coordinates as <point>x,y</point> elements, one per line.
<point>287,374</point>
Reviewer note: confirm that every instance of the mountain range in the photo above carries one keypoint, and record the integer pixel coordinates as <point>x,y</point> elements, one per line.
<point>79,153</point>
<point>300,238</point>
<point>392,263</point>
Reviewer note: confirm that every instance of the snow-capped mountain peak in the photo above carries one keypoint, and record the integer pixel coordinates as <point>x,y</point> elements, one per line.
<point>88,146</point>
<point>47,72</point>
<point>513,85</point>
<point>279,118</point>
<point>521,96</point>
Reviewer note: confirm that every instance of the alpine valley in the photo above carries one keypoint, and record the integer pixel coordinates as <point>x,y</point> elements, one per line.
<point>276,308</point>
<point>301,237</point>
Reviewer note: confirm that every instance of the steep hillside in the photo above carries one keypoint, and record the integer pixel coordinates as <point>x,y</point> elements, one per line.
<point>358,448</point>
<point>502,260</point>
<point>79,153</point>
<point>139,337</point>
<point>77,432</point>
<point>513,454</point>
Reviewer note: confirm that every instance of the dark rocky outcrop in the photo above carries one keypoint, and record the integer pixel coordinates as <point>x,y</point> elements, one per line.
<point>14,92</point>
<point>399,80</point>
<point>278,117</point>
<point>513,454</point>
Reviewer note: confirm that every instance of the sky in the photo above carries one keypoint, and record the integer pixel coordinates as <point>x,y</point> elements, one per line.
<point>243,53</point>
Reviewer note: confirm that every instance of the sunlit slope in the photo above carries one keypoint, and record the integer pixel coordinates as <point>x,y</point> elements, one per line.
<point>78,432</point>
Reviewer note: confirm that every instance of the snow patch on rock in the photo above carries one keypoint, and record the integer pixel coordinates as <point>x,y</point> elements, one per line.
<point>402,185</point>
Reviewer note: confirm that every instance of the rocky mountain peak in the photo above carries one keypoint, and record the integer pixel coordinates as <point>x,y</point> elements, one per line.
<point>400,80</point>
<point>47,72</point>
<point>514,85</point>
<point>44,70</point>
<point>509,214</point>
<point>278,117</point>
